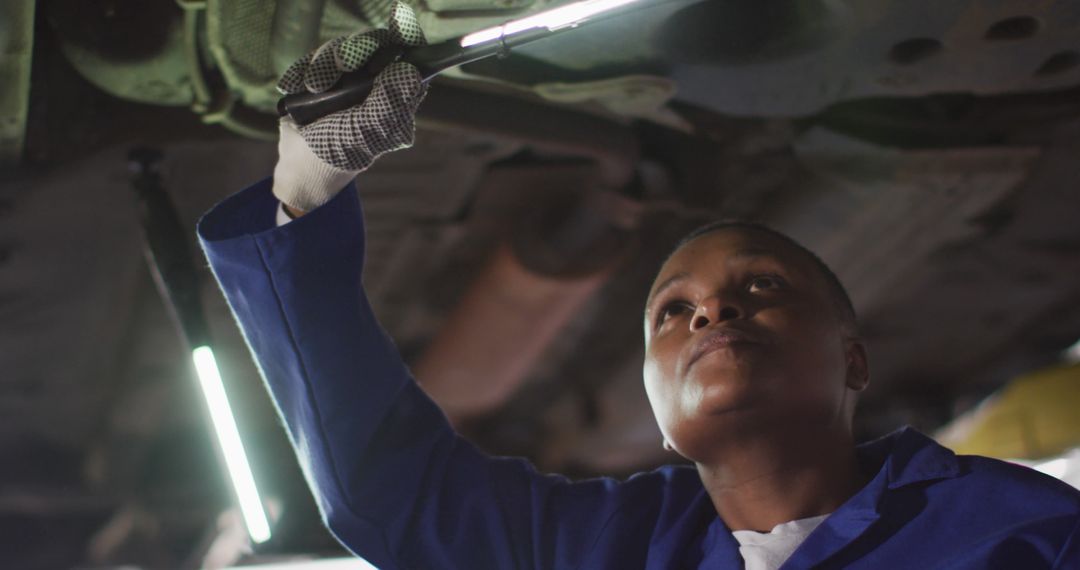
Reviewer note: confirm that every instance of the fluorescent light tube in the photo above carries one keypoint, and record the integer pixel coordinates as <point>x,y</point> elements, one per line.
<point>568,15</point>
<point>351,563</point>
<point>235,459</point>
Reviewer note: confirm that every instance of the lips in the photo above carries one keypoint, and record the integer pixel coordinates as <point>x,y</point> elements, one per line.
<point>721,338</point>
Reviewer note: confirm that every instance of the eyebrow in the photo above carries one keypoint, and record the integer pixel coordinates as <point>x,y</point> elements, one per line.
<point>680,276</point>
<point>742,254</point>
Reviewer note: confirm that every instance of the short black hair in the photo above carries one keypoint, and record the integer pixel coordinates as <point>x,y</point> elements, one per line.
<point>839,295</point>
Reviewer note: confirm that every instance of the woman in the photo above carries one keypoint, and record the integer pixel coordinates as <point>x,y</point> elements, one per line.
<point>753,364</point>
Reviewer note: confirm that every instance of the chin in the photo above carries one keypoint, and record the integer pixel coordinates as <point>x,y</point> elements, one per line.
<point>713,389</point>
<point>699,434</point>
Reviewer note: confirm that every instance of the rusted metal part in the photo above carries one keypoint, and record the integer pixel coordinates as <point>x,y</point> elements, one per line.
<point>749,58</point>
<point>542,277</point>
<point>497,333</point>
<point>565,245</point>
<point>613,146</point>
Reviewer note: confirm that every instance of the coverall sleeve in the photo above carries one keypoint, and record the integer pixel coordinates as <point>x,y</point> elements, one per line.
<point>393,481</point>
<point>1069,557</point>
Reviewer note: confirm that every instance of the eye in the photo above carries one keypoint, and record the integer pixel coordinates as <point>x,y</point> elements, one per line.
<point>765,283</point>
<point>672,309</point>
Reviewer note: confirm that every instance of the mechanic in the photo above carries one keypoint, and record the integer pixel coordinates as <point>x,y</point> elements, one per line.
<point>753,365</point>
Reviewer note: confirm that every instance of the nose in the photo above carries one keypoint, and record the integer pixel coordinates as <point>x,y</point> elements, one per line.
<point>713,310</point>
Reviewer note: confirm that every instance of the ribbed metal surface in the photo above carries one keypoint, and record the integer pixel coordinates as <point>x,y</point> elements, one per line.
<point>239,33</point>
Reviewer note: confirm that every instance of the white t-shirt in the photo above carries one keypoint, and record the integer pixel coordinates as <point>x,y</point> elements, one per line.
<point>768,550</point>
<point>282,216</point>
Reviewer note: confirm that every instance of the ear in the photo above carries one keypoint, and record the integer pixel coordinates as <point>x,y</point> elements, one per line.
<point>858,366</point>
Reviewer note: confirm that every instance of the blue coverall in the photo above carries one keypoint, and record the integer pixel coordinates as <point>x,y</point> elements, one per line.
<point>399,488</point>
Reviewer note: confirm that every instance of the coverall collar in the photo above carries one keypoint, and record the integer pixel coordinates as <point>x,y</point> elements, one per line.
<point>904,457</point>
<point>914,458</point>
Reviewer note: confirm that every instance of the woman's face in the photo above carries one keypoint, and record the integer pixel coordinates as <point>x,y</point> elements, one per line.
<point>741,333</point>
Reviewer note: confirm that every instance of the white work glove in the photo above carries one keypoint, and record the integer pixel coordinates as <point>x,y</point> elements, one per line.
<point>317,160</point>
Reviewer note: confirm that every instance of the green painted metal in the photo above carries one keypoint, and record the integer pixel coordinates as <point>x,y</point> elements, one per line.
<point>16,46</point>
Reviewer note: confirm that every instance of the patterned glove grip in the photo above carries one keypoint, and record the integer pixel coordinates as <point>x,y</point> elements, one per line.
<point>352,139</point>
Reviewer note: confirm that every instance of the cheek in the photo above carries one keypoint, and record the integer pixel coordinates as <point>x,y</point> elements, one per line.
<point>661,356</point>
<point>653,375</point>
<point>659,387</point>
<point>814,361</point>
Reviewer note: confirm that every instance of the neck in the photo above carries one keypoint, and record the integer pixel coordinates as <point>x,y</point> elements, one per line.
<point>767,479</point>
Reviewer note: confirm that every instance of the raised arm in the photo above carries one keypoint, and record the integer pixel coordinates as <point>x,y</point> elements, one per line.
<point>393,481</point>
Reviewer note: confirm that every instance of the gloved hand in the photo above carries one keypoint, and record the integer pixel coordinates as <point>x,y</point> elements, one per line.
<point>316,161</point>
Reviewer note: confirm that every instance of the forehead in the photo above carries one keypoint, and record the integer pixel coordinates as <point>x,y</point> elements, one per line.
<point>723,247</point>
